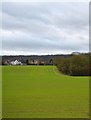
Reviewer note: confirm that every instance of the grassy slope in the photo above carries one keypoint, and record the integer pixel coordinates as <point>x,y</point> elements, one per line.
<point>41,91</point>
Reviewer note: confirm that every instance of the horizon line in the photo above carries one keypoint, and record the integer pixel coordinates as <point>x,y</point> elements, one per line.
<point>44,54</point>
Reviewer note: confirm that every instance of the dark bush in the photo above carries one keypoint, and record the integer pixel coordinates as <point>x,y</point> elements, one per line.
<point>77,65</point>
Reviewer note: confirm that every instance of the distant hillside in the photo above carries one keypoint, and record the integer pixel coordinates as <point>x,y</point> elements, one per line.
<point>45,58</point>
<point>39,57</point>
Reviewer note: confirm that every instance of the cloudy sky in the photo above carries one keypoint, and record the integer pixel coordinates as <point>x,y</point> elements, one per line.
<point>44,28</point>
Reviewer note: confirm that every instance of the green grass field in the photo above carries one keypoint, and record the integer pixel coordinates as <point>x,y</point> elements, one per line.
<point>43,92</point>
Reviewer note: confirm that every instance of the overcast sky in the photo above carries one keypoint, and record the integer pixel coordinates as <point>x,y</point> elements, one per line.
<point>44,28</point>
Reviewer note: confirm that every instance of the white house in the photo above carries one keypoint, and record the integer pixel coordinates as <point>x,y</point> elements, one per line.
<point>16,62</point>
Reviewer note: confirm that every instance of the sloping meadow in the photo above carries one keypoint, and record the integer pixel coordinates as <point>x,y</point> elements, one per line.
<point>43,92</point>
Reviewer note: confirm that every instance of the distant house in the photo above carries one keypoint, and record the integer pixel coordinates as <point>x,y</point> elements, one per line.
<point>75,53</point>
<point>36,62</point>
<point>30,62</point>
<point>5,62</point>
<point>16,62</point>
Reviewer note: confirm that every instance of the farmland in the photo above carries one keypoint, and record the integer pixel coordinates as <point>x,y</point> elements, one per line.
<point>43,92</point>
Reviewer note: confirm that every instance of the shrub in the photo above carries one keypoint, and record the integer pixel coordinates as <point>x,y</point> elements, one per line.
<point>75,65</point>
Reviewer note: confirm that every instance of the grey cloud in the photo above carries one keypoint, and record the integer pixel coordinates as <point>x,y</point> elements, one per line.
<point>45,27</point>
<point>62,15</point>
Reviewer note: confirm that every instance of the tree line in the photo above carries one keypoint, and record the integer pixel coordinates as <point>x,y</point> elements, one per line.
<point>76,65</point>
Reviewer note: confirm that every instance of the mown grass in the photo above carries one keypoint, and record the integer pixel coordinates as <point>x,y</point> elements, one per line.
<point>43,92</point>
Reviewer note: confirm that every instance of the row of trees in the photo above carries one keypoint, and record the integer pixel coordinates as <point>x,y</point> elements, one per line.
<point>76,65</point>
